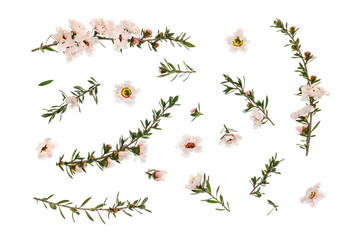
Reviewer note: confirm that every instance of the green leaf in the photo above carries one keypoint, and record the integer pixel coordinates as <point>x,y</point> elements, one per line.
<point>85,202</point>
<point>45,83</point>
<point>61,213</point>
<point>88,215</point>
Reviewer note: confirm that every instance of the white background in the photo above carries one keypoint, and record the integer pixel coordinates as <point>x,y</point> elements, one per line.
<point>329,29</point>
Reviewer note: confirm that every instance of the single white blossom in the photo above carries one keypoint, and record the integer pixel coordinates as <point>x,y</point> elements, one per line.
<point>142,150</point>
<point>103,27</point>
<point>230,139</point>
<point>160,175</point>
<point>313,195</point>
<point>238,41</point>
<point>72,100</point>
<point>189,144</point>
<point>123,155</point>
<point>256,117</point>
<point>45,148</point>
<point>130,27</point>
<point>302,112</point>
<point>126,93</point>
<point>194,181</point>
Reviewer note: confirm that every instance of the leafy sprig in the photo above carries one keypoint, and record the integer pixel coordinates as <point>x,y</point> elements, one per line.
<point>205,187</point>
<point>79,93</point>
<point>239,86</point>
<point>273,205</point>
<point>167,69</point>
<point>195,113</point>
<point>118,207</point>
<point>125,144</point>
<point>258,182</point>
<point>305,59</point>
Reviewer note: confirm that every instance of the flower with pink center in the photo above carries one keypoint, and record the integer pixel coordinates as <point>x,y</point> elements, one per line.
<point>257,118</point>
<point>194,181</point>
<point>126,93</point>
<point>247,93</point>
<point>230,139</point>
<point>79,169</point>
<point>45,148</point>
<point>189,144</point>
<point>72,100</point>
<point>238,41</point>
<point>160,175</point>
<point>313,195</point>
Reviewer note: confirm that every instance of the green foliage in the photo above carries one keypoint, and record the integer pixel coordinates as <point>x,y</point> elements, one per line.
<point>79,93</point>
<point>206,188</point>
<point>119,206</point>
<point>273,205</point>
<point>125,144</point>
<point>45,83</point>
<point>167,69</point>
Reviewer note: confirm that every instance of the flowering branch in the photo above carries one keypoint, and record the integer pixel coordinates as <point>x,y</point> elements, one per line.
<point>310,92</point>
<point>78,96</point>
<point>126,34</point>
<point>125,145</point>
<point>273,205</point>
<point>250,97</point>
<point>118,206</point>
<point>204,187</point>
<point>166,70</point>
<point>258,182</point>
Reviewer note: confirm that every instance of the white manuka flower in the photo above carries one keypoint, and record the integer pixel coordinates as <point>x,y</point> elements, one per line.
<point>194,181</point>
<point>313,195</point>
<point>103,27</point>
<point>142,150</point>
<point>313,91</point>
<point>87,43</point>
<point>72,100</point>
<point>130,27</point>
<point>230,139</point>
<point>238,42</point>
<point>125,93</point>
<point>45,148</point>
<point>256,117</point>
<point>189,144</point>
<point>302,112</point>
<point>160,175</point>
<point>63,38</point>
<point>123,155</point>
<point>120,37</point>
<point>78,29</point>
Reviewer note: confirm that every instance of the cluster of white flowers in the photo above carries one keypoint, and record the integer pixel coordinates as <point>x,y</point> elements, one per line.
<point>313,91</point>
<point>257,118</point>
<point>78,39</point>
<point>302,112</point>
<point>238,41</point>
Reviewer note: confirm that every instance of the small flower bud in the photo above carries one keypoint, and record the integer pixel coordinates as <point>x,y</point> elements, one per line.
<point>90,93</point>
<point>313,78</point>
<point>308,56</point>
<point>147,33</point>
<point>248,93</point>
<point>294,47</point>
<point>155,45</point>
<point>135,41</point>
<point>292,30</point>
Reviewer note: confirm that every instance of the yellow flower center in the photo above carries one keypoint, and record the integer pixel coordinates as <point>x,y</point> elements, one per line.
<point>237,42</point>
<point>312,195</point>
<point>126,92</point>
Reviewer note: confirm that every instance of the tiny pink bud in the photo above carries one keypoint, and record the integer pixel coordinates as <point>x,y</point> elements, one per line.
<point>136,41</point>
<point>192,111</point>
<point>247,93</point>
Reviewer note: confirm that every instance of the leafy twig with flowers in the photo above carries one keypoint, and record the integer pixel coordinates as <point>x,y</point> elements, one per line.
<point>125,146</point>
<point>271,203</point>
<point>157,175</point>
<point>310,92</point>
<point>195,112</point>
<point>166,70</point>
<point>258,182</point>
<point>126,34</point>
<point>118,206</point>
<point>77,97</point>
<point>198,184</point>
<point>260,114</point>
<point>228,137</point>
